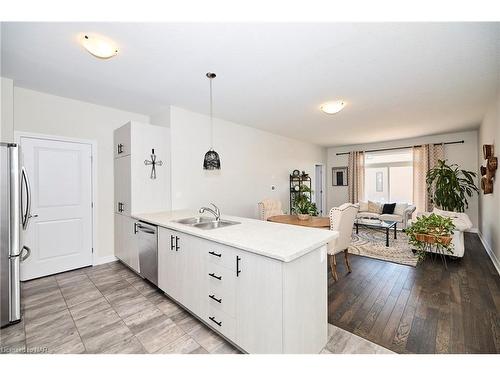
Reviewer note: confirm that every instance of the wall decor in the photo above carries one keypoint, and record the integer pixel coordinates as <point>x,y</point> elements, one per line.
<point>489,171</point>
<point>339,176</point>
<point>153,163</point>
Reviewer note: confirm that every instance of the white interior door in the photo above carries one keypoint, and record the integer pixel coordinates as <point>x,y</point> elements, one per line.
<point>60,229</point>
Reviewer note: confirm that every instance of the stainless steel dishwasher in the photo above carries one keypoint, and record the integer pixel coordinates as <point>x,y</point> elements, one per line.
<point>148,250</point>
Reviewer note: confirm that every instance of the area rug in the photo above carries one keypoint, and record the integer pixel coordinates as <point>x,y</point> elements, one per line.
<point>371,243</point>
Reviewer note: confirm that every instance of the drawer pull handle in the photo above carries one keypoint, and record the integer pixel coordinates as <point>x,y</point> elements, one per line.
<point>120,148</point>
<point>215,276</point>
<point>177,247</point>
<point>214,254</point>
<point>172,242</point>
<point>215,299</point>
<point>212,318</point>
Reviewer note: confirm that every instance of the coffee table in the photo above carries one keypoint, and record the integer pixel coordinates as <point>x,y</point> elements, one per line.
<point>377,224</point>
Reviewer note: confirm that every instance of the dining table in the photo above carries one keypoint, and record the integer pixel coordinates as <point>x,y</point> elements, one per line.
<point>312,222</point>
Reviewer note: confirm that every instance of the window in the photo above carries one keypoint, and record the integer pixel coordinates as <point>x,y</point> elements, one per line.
<point>389,176</point>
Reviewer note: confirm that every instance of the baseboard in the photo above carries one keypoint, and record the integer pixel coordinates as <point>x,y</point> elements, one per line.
<point>490,252</point>
<point>103,260</point>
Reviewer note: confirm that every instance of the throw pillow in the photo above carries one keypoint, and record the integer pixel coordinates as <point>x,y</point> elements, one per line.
<point>400,208</point>
<point>374,207</point>
<point>363,206</point>
<point>388,208</point>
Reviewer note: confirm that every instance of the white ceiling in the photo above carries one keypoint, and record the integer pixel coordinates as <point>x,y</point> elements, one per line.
<point>400,80</point>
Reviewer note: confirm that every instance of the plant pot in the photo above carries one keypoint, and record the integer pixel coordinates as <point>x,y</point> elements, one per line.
<point>303,216</point>
<point>444,240</point>
<point>433,239</point>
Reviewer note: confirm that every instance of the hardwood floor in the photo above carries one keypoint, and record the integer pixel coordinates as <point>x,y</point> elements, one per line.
<point>427,309</point>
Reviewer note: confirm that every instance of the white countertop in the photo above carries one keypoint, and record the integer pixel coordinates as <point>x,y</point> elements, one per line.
<point>279,241</point>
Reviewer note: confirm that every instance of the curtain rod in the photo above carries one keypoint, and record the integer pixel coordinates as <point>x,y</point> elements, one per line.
<point>401,148</point>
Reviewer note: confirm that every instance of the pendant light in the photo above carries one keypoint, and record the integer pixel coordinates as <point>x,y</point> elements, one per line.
<point>212,160</point>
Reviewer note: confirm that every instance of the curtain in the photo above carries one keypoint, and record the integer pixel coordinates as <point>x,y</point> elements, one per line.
<point>356,176</point>
<point>425,157</point>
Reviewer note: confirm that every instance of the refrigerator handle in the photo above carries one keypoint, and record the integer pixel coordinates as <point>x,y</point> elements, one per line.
<point>28,253</point>
<point>27,214</point>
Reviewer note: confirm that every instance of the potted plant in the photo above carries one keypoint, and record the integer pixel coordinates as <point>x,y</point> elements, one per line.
<point>449,186</point>
<point>302,206</point>
<point>429,231</point>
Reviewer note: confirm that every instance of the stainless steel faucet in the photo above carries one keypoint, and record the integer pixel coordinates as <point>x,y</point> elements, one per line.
<point>215,211</point>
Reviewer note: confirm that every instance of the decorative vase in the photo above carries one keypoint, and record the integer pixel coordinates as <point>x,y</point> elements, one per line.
<point>303,216</point>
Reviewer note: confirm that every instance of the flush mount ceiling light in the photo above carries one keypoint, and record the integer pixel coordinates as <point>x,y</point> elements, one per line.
<point>330,108</point>
<point>98,46</point>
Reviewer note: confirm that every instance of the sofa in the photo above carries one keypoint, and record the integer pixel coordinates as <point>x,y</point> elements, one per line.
<point>462,223</point>
<point>373,210</point>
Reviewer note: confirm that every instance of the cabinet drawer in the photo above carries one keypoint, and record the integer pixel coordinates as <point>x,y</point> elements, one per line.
<point>222,298</point>
<point>218,277</point>
<point>222,322</point>
<point>221,285</point>
<point>221,255</point>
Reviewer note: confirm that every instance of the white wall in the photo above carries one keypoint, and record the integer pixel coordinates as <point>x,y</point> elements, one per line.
<point>6,110</point>
<point>465,155</point>
<point>161,118</point>
<point>48,114</point>
<point>489,205</point>
<point>252,160</point>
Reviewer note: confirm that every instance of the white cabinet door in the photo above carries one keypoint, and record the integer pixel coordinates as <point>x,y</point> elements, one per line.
<point>120,250</point>
<point>130,242</point>
<point>121,141</point>
<point>126,244</point>
<point>122,176</point>
<point>168,280</point>
<point>259,309</point>
<point>191,272</point>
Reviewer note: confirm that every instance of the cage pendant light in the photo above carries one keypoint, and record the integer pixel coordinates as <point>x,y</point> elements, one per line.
<point>212,159</point>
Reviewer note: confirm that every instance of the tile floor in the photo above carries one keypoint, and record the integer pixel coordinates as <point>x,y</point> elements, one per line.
<point>109,309</point>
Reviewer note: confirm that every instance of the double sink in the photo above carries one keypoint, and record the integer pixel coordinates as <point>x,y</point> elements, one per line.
<point>206,223</point>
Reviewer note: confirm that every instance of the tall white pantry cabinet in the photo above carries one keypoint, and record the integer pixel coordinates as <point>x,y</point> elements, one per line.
<point>136,191</point>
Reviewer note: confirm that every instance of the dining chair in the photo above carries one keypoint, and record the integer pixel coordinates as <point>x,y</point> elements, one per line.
<point>341,220</point>
<point>268,208</point>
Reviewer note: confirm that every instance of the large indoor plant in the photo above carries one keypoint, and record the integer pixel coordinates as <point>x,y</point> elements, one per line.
<point>431,232</point>
<point>449,186</point>
<point>302,206</point>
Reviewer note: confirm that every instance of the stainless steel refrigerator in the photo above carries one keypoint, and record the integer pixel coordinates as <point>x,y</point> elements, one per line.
<point>15,198</point>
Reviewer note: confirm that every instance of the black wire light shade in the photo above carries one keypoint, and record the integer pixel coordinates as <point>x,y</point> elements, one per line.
<point>212,159</point>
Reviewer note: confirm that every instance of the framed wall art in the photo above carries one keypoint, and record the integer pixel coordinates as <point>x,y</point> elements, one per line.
<point>339,176</point>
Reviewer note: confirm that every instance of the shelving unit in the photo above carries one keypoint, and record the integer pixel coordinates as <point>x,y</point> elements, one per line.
<point>296,183</point>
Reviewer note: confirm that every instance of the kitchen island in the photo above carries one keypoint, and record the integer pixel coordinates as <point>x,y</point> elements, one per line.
<point>261,285</point>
